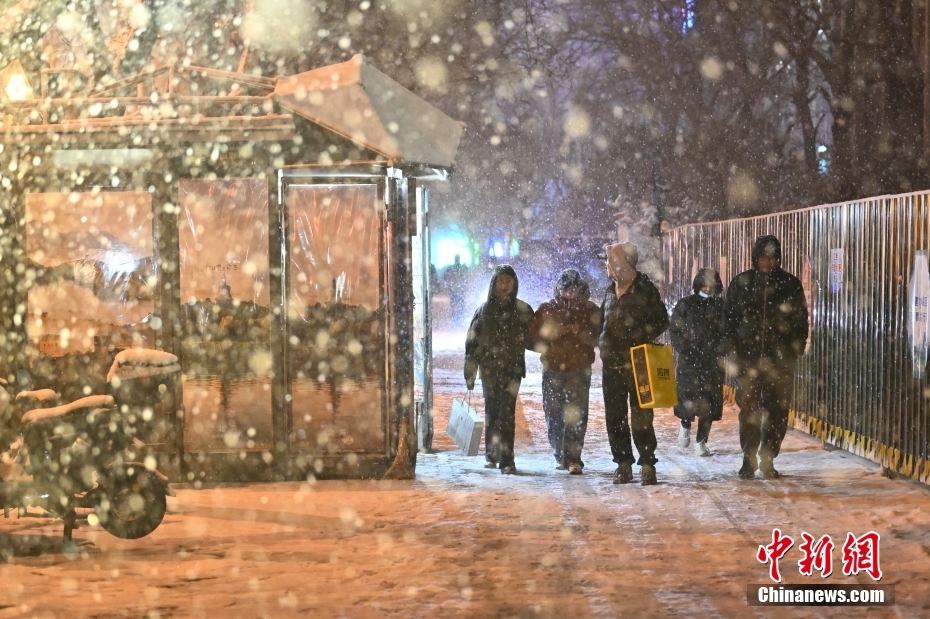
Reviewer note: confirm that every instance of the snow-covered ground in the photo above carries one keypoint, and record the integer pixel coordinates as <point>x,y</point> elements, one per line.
<point>465,541</point>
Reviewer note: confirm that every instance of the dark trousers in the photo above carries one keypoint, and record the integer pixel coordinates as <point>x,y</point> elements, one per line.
<point>565,403</point>
<point>763,393</point>
<point>619,389</point>
<point>704,424</point>
<point>500,409</point>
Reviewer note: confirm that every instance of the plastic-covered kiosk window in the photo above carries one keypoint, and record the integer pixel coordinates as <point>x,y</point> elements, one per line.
<point>225,315</point>
<point>334,315</point>
<point>92,296</point>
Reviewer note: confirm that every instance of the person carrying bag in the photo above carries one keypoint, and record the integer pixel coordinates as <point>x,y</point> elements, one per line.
<point>632,313</point>
<point>496,343</point>
<point>465,426</point>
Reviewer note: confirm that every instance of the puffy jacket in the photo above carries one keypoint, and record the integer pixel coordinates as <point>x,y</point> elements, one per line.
<point>696,335</point>
<point>499,333</point>
<point>568,351</point>
<point>765,316</point>
<point>637,317</point>
<point>696,326</point>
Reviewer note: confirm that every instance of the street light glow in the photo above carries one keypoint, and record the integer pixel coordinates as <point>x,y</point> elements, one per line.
<point>14,83</point>
<point>17,89</point>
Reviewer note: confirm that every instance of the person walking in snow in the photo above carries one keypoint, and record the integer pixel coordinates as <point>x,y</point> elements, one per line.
<point>457,283</point>
<point>564,331</point>
<point>696,334</point>
<point>496,343</point>
<point>632,314</point>
<point>765,328</point>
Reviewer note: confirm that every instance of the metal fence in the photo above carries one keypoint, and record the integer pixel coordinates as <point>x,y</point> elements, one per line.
<point>856,386</point>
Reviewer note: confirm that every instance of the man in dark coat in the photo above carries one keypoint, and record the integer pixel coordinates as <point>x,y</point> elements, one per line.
<point>564,331</point>
<point>696,334</point>
<point>632,314</point>
<point>496,343</point>
<point>765,327</point>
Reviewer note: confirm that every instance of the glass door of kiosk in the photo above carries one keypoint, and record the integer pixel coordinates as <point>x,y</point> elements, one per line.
<point>226,316</point>
<point>336,352</point>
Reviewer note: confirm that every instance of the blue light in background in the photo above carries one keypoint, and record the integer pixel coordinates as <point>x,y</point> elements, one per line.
<point>688,22</point>
<point>449,241</point>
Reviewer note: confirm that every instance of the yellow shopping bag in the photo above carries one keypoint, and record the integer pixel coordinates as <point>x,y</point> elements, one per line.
<point>654,372</point>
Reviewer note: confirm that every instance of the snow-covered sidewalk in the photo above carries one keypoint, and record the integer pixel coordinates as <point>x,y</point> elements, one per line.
<point>465,541</point>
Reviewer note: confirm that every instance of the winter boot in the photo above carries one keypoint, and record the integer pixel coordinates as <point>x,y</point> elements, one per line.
<point>624,474</point>
<point>492,459</point>
<point>684,436</point>
<point>748,470</point>
<point>648,475</point>
<point>767,467</point>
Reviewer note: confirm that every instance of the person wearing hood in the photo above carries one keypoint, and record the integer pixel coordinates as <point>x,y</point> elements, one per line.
<point>696,334</point>
<point>632,314</point>
<point>496,343</point>
<point>564,331</point>
<point>765,328</point>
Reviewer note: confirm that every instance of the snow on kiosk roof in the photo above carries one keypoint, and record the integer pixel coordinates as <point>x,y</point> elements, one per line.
<point>198,212</point>
<point>355,100</point>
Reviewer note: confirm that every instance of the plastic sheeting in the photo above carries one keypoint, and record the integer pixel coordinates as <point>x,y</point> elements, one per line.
<point>225,314</point>
<point>223,234</point>
<point>93,263</point>
<point>336,342</point>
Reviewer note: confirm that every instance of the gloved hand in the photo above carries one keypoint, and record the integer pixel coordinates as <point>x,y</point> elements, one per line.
<point>470,384</point>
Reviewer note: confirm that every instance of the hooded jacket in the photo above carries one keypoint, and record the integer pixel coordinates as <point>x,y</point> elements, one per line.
<point>765,316</point>
<point>696,327</point>
<point>564,331</point>
<point>499,333</point>
<point>696,335</point>
<point>636,317</point>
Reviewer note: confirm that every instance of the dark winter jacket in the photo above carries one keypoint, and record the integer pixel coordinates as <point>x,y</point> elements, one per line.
<point>765,316</point>
<point>564,331</point>
<point>696,334</point>
<point>637,317</point>
<point>499,333</point>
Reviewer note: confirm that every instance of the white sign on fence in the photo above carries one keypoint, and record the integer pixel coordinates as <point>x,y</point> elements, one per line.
<point>807,283</point>
<point>836,270</point>
<point>919,294</point>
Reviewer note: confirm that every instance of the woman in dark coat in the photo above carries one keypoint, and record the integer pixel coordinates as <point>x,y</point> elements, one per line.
<point>696,332</point>
<point>496,343</point>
